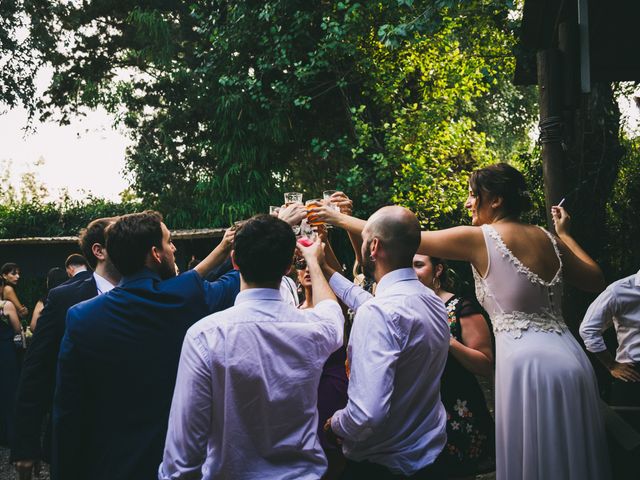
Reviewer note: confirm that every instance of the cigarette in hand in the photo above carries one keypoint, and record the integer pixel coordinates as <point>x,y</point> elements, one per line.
<point>561,202</point>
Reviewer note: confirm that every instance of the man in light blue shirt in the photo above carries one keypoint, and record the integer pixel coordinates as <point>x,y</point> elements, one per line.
<point>394,422</point>
<point>245,401</point>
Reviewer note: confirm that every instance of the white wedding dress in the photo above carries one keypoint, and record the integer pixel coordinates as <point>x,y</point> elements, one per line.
<point>548,423</point>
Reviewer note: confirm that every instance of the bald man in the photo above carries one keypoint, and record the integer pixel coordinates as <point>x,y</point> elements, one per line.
<point>394,424</point>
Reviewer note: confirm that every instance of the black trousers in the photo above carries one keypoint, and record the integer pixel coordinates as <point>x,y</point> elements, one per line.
<point>625,394</point>
<point>373,471</point>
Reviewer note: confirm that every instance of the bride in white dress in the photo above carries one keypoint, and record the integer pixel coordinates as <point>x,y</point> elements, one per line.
<point>548,423</point>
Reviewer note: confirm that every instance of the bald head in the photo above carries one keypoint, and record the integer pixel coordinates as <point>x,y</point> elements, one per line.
<point>398,231</point>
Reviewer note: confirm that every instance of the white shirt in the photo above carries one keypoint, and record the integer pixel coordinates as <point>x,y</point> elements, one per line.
<point>397,352</point>
<point>102,284</point>
<point>618,304</point>
<point>245,401</point>
<point>289,291</point>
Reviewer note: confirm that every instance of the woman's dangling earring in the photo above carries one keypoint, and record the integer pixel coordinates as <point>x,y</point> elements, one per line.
<point>436,284</point>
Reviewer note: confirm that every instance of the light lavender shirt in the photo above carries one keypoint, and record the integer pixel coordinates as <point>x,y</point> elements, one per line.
<point>102,284</point>
<point>618,304</point>
<point>245,401</point>
<point>397,352</point>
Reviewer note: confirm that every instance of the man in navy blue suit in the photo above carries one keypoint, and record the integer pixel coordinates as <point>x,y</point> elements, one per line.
<point>119,355</point>
<point>34,396</point>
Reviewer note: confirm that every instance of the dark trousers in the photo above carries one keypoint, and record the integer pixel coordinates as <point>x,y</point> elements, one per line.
<point>373,471</point>
<point>625,394</point>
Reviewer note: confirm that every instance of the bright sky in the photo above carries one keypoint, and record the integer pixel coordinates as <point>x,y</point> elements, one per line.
<point>85,156</point>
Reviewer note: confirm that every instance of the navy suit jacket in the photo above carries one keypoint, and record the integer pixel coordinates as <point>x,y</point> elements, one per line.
<point>34,396</point>
<point>117,369</point>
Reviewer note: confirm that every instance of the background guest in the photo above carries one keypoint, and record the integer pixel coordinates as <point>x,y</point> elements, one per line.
<point>75,263</point>
<point>55,276</point>
<point>38,377</point>
<point>470,445</point>
<point>619,305</point>
<point>10,273</point>
<point>9,370</point>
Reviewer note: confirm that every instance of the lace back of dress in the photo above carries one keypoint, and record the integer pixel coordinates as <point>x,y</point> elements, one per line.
<point>514,296</point>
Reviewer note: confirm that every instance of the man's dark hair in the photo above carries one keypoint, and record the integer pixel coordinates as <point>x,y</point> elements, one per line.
<point>264,248</point>
<point>76,260</point>
<point>130,239</point>
<point>94,233</point>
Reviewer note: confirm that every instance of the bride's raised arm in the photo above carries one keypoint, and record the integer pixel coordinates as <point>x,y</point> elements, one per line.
<point>457,243</point>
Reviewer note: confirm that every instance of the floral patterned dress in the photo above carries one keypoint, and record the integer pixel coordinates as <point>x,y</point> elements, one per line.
<point>470,444</point>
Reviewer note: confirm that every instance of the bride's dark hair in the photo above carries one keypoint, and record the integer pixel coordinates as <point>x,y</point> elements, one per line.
<point>502,180</point>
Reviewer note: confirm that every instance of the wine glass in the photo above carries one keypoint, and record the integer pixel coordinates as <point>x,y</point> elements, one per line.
<point>292,197</point>
<point>274,210</point>
<point>326,196</point>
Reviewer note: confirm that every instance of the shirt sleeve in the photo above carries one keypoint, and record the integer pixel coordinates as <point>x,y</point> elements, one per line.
<point>329,313</point>
<point>351,295</point>
<point>374,353</point>
<point>185,448</point>
<point>220,294</point>
<point>597,319</point>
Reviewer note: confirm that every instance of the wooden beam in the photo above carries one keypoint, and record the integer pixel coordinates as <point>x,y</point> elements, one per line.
<point>550,88</point>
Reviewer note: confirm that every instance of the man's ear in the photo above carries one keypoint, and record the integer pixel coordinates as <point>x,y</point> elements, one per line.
<point>374,247</point>
<point>439,270</point>
<point>233,260</point>
<point>154,255</point>
<point>99,251</point>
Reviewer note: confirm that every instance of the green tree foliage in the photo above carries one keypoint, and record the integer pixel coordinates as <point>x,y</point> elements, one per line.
<point>18,58</point>
<point>231,103</point>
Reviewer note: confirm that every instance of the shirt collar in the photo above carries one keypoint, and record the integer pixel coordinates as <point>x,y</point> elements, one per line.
<point>393,277</point>
<point>102,284</point>
<point>638,279</point>
<point>253,294</point>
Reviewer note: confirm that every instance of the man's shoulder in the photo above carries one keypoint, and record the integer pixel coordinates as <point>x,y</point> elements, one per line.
<point>626,283</point>
<point>74,291</point>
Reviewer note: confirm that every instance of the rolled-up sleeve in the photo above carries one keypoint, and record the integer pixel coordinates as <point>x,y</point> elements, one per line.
<point>373,368</point>
<point>351,295</point>
<point>598,318</point>
<point>190,418</point>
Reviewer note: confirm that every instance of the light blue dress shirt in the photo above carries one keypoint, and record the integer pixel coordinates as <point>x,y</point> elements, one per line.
<point>618,304</point>
<point>397,351</point>
<point>245,402</point>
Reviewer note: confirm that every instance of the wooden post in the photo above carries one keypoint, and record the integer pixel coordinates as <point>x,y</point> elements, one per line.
<point>551,127</point>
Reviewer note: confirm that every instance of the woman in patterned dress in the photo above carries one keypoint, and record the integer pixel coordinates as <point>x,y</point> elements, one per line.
<point>470,447</point>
